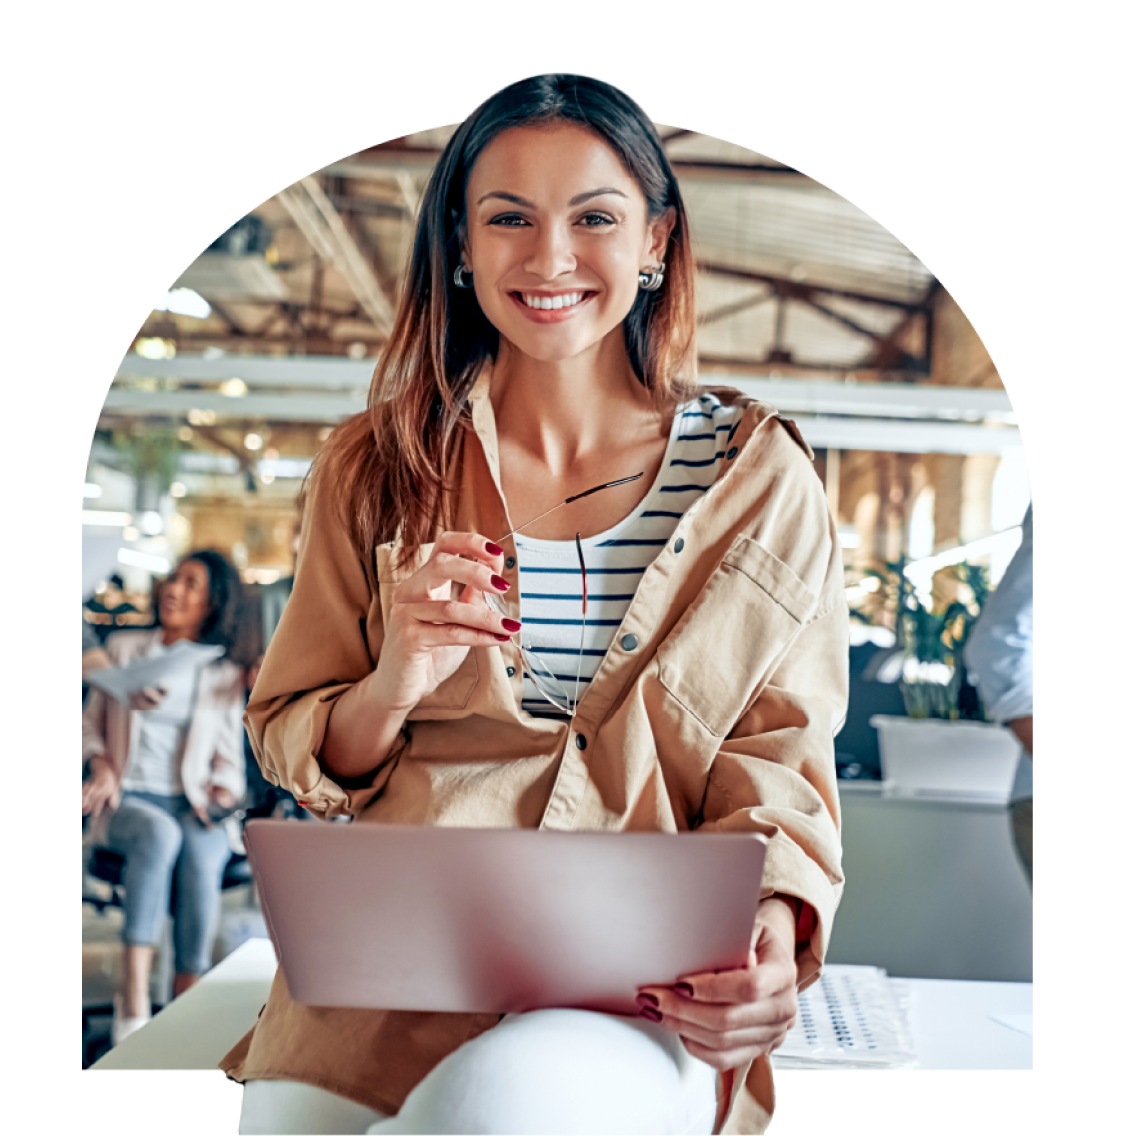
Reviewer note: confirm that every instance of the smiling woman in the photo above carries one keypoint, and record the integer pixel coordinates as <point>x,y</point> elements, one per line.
<point>542,352</point>
<point>392,461</point>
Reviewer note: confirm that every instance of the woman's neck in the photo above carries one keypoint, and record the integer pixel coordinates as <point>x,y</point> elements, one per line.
<point>170,635</point>
<point>567,413</point>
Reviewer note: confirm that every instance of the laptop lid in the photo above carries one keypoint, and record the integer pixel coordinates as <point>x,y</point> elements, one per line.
<point>499,920</point>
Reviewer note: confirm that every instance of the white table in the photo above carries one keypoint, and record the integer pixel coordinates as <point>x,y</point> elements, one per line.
<point>952,1021</point>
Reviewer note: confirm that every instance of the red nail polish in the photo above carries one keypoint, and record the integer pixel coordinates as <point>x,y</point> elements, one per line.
<point>500,583</point>
<point>651,1014</point>
<point>492,549</point>
<point>501,638</point>
<point>683,988</point>
<point>647,1000</point>
<point>302,804</point>
<point>510,625</point>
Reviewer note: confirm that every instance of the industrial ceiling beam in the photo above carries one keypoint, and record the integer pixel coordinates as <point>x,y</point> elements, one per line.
<point>327,379</point>
<point>785,283</point>
<point>316,217</point>
<point>885,435</point>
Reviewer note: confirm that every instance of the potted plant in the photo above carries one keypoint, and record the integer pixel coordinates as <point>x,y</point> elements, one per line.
<point>945,743</point>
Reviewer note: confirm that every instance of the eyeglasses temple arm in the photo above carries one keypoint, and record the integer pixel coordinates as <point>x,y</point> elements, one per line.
<point>584,621</point>
<point>586,493</point>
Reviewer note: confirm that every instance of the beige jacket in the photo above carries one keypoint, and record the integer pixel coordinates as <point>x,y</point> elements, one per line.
<point>720,719</point>
<point>213,749</point>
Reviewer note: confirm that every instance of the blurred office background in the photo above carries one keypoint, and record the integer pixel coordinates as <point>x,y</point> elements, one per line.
<point>269,338</point>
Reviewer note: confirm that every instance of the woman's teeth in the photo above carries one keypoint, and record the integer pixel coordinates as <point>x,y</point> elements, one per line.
<point>549,303</point>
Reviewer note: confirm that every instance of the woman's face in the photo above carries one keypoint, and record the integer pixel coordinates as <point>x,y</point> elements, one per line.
<point>557,233</point>
<point>184,603</point>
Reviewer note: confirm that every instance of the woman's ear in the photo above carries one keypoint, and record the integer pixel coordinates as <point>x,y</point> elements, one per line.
<point>659,231</point>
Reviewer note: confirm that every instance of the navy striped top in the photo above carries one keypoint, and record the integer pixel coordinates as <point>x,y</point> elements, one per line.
<point>552,621</point>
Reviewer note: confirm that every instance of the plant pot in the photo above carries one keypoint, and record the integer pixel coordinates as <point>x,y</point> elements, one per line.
<point>936,755</point>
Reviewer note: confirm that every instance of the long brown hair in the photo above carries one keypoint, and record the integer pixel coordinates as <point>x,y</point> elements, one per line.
<point>392,462</point>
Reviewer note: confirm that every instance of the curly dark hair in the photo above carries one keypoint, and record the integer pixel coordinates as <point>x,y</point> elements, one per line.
<point>220,626</point>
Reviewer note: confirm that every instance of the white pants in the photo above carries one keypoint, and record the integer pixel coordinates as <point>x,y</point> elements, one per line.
<point>548,1071</point>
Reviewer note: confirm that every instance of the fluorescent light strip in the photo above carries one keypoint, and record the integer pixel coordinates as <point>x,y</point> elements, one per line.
<point>143,560</point>
<point>104,518</point>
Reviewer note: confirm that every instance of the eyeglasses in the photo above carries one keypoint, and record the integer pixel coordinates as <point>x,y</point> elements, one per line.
<point>543,678</point>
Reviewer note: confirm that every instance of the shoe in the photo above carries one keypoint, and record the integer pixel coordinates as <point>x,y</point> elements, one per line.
<point>122,1026</point>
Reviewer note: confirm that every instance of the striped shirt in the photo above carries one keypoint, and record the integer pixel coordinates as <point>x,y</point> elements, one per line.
<point>551,597</point>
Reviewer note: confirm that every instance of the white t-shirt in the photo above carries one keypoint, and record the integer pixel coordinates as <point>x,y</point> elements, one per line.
<point>551,597</point>
<point>154,767</point>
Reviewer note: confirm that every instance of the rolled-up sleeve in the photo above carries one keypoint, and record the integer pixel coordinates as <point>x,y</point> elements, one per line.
<point>999,653</point>
<point>775,773</point>
<point>328,639</point>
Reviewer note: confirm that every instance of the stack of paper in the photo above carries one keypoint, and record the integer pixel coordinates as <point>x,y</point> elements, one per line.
<point>853,1017</point>
<point>120,682</point>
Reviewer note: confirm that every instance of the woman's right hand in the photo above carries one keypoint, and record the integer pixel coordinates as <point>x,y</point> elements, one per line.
<point>100,790</point>
<point>428,634</point>
<point>147,698</point>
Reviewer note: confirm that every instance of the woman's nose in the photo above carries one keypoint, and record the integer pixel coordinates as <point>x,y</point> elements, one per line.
<point>551,252</point>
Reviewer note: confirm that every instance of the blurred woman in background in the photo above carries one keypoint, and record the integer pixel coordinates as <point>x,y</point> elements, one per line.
<point>157,767</point>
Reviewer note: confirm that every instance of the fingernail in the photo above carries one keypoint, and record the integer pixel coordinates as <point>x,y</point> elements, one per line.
<point>647,1000</point>
<point>683,988</point>
<point>501,638</point>
<point>651,1014</point>
<point>492,549</point>
<point>510,625</point>
<point>500,583</point>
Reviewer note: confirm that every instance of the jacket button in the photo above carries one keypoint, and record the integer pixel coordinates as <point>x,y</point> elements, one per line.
<point>581,742</point>
<point>732,453</point>
<point>629,642</point>
<point>510,562</point>
<point>680,544</point>
<point>510,671</point>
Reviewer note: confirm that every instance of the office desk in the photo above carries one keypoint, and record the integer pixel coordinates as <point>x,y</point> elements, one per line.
<point>951,1021</point>
<point>933,888</point>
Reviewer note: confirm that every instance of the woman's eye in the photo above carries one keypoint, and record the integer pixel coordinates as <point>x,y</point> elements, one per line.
<point>512,220</point>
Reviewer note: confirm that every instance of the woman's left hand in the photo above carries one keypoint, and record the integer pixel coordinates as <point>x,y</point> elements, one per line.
<point>729,1018</point>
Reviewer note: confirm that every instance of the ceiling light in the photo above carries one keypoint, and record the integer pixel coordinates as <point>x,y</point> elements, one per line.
<point>185,302</point>
<point>177,489</point>
<point>234,388</point>
<point>153,347</point>
<point>105,518</point>
<point>145,560</point>
<point>91,490</point>
<point>151,523</point>
<point>253,441</point>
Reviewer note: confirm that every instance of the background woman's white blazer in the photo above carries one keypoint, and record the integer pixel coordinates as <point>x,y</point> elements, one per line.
<point>212,752</point>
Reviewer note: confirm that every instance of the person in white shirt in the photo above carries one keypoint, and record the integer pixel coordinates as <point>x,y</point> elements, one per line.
<point>157,768</point>
<point>999,657</point>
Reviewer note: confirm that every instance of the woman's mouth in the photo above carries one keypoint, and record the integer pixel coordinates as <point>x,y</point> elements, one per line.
<point>544,307</point>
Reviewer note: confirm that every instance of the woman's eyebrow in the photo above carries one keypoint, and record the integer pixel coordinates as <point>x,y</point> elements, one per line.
<point>580,197</point>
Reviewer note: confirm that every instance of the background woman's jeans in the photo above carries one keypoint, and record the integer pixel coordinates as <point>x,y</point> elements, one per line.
<point>162,840</point>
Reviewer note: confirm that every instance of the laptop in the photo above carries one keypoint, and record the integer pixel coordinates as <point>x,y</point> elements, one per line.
<point>499,920</point>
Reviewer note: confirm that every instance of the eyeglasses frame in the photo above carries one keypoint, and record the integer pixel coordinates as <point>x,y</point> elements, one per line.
<point>522,651</point>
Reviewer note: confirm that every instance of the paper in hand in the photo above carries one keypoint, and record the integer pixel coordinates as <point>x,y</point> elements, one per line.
<point>120,682</point>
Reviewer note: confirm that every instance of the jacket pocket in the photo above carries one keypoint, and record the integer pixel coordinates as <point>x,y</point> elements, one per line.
<point>726,644</point>
<point>453,693</point>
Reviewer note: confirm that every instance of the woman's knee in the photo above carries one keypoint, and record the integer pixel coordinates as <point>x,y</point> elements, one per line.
<point>590,1072</point>
<point>145,832</point>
